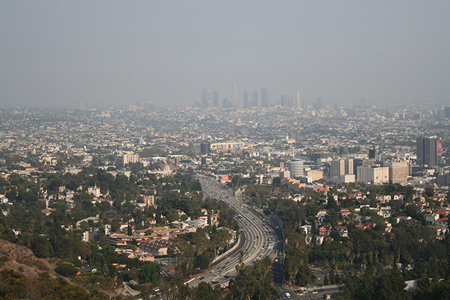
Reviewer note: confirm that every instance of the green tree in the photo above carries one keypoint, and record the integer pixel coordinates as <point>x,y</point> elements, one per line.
<point>66,270</point>
<point>202,261</point>
<point>149,272</point>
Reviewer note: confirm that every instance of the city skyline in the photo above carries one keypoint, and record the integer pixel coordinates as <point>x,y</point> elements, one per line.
<point>113,54</point>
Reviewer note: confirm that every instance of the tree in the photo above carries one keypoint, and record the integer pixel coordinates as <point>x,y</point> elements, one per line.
<point>202,261</point>
<point>429,192</point>
<point>276,182</point>
<point>66,270</point>
<point>196,186</point>
<point>325,280</point>
<point>207,292</point>
<point>149,272</point>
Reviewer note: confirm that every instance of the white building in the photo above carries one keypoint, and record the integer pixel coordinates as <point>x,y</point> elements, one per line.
<point>399,171</point>
<point>372,174</point>
<point>296,168</point>
<point>344,178</point>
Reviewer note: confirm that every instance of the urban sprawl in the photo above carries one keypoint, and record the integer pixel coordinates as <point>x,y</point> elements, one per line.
<point>356,167</point>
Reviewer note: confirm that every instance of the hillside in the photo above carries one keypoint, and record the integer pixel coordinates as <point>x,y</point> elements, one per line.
<point>22,260</point>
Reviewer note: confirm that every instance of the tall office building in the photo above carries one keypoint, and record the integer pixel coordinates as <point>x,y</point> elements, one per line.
<point>337,168</point>
<point>349,166</point>
<point>286,101</point>
<point>296,168</point>
<point>206,98</point>
<point>357,163</point>
<point>443,179</point>
<point>205,148</point>
<point>297,103</point>
<point>429,151</point>
<point>245,100</point>
<point>340,167</point>
<point>398,171</point>
<point>216,98</point>
<point>264,97</point>
<point>234,95</point>
<point>447,112</point>
<point>255,99</point>
<point>372,174</point>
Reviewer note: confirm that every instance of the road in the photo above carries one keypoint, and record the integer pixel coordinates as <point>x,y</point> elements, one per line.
<point>258,238</point>
<point>278,264</point>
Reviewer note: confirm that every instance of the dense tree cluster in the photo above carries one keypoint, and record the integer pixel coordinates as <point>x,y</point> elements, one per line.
<point>14,285</point>
<point>373,255</point>
<point>253,282</point>
<point>51,236</point>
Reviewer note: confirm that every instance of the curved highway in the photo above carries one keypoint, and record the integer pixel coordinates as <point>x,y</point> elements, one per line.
<point>258,237</point>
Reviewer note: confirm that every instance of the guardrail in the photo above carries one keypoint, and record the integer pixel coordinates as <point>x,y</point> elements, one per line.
<point>236,246</point>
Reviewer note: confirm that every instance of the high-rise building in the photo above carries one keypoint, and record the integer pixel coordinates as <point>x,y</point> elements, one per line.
<point>206,98</point>
<point>296,168</point>
<point>337,168</point>
<point>125,159</point>
<point>297,103</point>
<point>205,148</point>
<point>340,167</point>
<point>255,99</point>
<point>216,98</point>
<point>264,97</point>
<point>447,112</point>
<point>245,100</point>
<point>429,151</point>
<point>357,163</point>
<point>234,95</point>
<point>286,101</point>
<point>398,171</point>
<point>372,174</point>
<point>372,153</point>
<point>349,166</point>
<point>443,179</point>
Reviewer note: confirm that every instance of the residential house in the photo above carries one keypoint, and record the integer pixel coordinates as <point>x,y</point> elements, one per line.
<point>321,216</point>
<point>441,222</point>
<point>343,230</point>
<point>439,230</point>
<point>325,231</point>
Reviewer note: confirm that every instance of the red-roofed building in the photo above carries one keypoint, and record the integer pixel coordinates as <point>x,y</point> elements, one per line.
<point>441,222</point>
<point>225,179</point>
<point>325,231</point>
<point>439,230</point>
<point>343,230</point>
<point>345,212</point>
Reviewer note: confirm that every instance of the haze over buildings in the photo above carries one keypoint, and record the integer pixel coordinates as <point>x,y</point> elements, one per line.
<point>102,53</point>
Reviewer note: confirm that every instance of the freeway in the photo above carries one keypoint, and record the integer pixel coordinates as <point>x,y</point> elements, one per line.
<point>258,238</point>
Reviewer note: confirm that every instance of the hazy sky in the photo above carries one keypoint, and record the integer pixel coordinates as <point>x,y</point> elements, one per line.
<point>58,53</point>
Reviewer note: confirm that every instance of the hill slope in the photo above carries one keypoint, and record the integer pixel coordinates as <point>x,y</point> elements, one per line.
<point>22,260</point>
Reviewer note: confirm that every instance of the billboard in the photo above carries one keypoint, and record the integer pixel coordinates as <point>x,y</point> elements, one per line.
<point>439,147</point>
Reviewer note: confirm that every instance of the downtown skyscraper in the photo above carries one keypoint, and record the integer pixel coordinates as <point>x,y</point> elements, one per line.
<point>264,97</point>
<point>234,95</point>
<point>429,151</point>
<point>206,98</point>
